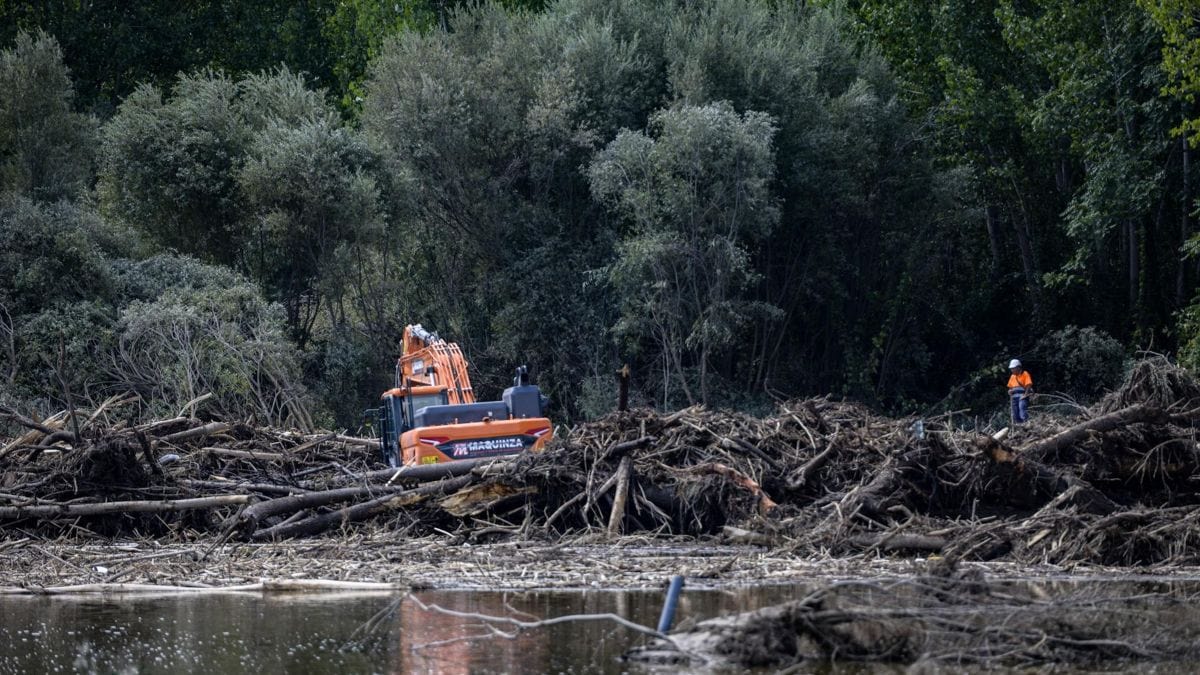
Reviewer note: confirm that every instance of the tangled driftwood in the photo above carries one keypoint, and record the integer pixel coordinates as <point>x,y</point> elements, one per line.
<point>1115,485</point>
<point>942,622</point>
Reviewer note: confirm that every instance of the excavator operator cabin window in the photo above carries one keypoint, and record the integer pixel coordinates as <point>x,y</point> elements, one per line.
<point>423,400</point>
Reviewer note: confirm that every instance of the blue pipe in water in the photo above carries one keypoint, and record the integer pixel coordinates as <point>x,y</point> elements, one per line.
<point>668,611</point>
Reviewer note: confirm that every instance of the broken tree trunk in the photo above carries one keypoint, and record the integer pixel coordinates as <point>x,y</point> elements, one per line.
<point>618,508</point>
<point>899,542</point>
<point>1031,484</point>
<point>765,503</point>
<point>421,473</point>
<point>358,512</point>
<point>479,499</point>
<point>800,477</point>
<point>62,511</point>
<point>199,432</point>
<point>252,515</point>
<point>1097,425</point>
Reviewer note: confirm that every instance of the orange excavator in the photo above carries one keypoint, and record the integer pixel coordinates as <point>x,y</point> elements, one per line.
<point>431,415</point>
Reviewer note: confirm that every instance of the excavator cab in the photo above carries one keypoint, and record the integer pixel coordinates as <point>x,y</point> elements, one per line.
<point>398,412</point>
<point>431,415</point>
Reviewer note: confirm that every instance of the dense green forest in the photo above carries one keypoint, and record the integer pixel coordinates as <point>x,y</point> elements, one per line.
<point>742,199</point>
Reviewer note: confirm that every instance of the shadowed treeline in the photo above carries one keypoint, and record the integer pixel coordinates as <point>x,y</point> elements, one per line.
<point>741,199</point>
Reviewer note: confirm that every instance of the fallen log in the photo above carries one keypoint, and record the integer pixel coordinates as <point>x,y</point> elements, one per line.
<point>354,440</point>
<point>199,432</point>
<point>264,586</point>
<point>245,454</point>
<point>801,476</point>
<point>420,473</point>
<point>740,445</point>
<point>765,503</point>
<point>24,421</point>
<point>155,426</point>
<point>62,511</point>
<point>252,515</point>
<point>227,486</point>
<point>314,442</point>
<point>359,512</point>
<point>621,449</point>
<point>1135,414</point>
<point>899,542</point>
<point>479,499</point>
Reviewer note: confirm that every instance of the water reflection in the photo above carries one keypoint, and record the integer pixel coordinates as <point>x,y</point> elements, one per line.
<point>235,633</point>
<point>251,633</point>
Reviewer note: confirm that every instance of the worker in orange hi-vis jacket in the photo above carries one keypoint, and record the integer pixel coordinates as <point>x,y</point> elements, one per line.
<point>1020,387</point>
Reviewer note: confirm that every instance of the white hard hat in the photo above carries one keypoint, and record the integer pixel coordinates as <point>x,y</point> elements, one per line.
<point>1015,363</point>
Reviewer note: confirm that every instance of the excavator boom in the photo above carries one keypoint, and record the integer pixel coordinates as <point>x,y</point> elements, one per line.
<point>427,359</point>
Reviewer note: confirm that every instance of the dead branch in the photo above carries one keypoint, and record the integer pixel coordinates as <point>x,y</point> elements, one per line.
<point>62,511</point>
<point>618,509</point>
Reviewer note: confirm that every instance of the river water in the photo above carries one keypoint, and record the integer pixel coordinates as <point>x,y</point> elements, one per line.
<point>323,633</point>
<point>316,633</point>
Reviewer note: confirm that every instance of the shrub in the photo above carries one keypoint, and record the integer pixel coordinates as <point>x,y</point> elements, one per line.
<point>225,341</point>
<point>1080,362</point>
<point>45,147</point>
<point>68,340</point>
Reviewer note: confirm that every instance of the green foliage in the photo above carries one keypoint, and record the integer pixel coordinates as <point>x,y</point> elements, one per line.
<point>70,341</point>
<point>480,130</point>
<point>149,278</point>
<point>1179,21</point>
<point>75,310</point>
<point>45,147</point>
<point>52,254</point>
<point>494,123</point>
<point>1080,362</point>
<point>1188,326</point>
<point>1104,103</point>
<point>871,198</point>
<point>1054,108</point>
<point>169,168</point>
<point>225,341</point>
<point>258,174</point>
<point>357,30</point>
<point>308,191</point>
<point>114,47</point>
<point>55,311</point>
<point>698,196</point>
<point>352,374</point>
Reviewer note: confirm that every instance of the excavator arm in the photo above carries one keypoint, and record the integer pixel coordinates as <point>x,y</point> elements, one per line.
<point>428,360</point>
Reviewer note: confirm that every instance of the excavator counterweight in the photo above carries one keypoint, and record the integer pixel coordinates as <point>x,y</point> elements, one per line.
<point>431,414</point>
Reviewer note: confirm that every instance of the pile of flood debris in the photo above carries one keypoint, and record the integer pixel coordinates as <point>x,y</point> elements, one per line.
<point>1116,484</point>
<point>953,621</point>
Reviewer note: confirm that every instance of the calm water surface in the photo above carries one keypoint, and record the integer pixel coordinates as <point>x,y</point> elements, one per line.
<point>316,633</point>
<point>321,633</point>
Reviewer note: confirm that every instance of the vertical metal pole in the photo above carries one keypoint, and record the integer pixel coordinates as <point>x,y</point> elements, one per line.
<point>668,611</point>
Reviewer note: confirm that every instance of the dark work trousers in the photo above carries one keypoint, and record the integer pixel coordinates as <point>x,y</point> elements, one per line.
<point>1020,405</point>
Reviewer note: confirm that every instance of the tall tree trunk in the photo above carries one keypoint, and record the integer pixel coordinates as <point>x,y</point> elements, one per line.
<point>1133,251</point>
<point>1181,298</point>
<point>989,219</point>
<point>1028,264</point>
